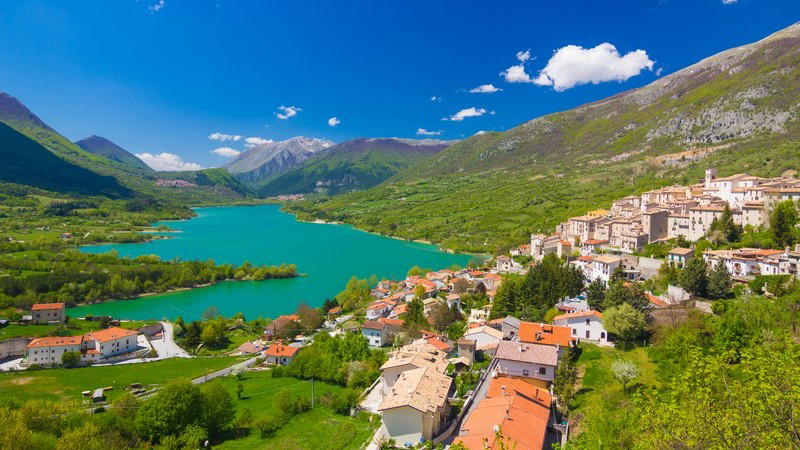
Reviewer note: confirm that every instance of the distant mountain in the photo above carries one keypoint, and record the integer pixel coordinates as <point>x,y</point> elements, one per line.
<point>25,161</point>
<point>101,146</point>
<point>262,162</point>
<point>352,165</point>
<point>101,175</point>
<point>738,111</point>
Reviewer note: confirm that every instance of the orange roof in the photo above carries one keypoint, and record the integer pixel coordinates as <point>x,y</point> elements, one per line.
<point>335,310</point>
<point>579,314</point>
<point>439,344</point>
<point>392,322</point>
<point>110,334</point>
<point>55,341</point>
<point>595,241</point>
<point>544,334</point>
<point>46,306</point>
<point>585,258</point>
<point>515,386</point>
<point>401,309</point>
<point>281,350</point>
<point>292,317</point>
<point>476,273</point>
<point>657,302</point>
<point>522,419</point>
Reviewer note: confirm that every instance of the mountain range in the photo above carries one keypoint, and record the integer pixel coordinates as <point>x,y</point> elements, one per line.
<point>737,111</point>
<point>263,161</point>
<point>351,165</point>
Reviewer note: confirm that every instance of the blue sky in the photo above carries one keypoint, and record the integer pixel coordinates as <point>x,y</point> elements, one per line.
<point>161,76</point>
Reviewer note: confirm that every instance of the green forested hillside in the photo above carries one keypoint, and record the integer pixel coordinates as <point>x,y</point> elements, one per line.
<point>353,165</point>
<point>25,161</point>
<point>737,110</point>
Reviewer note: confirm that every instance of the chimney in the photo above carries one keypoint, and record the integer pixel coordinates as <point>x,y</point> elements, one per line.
<point>503,390</point>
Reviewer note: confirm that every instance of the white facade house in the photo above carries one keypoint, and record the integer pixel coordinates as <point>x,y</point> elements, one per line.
<point>94,347</point>
<point>679,256</point>
<point>381,332</point>
<point>585,325</point>
<point>410,357</point>
<point>525,360</point>
<point>479,315</point>
<point>603,267</point>
<point>505,264</point>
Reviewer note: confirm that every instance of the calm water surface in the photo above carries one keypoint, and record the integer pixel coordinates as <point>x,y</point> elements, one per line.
<point>328,254</point>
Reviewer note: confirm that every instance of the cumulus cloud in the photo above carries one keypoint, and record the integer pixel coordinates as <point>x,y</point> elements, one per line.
<point>424,132</point>
<point>226,152</point>
<point>484,89</point>
<point>436,99</point>
<point>728,2</point>
<point>524,56</point>
<point>333,121</point>
<point>256,140</point>
<point>158,6</point>
<point>167,162</point>
<point>467,112</point>
<point>287,112</point>
<point>574,65</point>
<point>222,137</point>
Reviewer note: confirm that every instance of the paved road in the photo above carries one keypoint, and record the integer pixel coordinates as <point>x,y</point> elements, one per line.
<point>225,372</point>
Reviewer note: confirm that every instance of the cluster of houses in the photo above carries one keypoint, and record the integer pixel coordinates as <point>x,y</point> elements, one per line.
<point>513,400</point>
<point>94,347</point>
<point>667,213</point>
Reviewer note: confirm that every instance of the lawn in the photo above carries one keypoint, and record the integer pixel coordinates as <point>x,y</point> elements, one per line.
<point>73,328</point>
<point>67,384</point>
<point>319,428</point>
<point>599,392</point>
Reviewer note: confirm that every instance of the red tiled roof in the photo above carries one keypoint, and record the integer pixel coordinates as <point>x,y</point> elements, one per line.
<point>544,334</point>
<point>397,323</point>
<point>373,325</point>
<point>110,334</point>
<point>657,302</point>
<point>281,350</point>
<point>46,306</point>
<point>56,341</point>
<point>439,344</point>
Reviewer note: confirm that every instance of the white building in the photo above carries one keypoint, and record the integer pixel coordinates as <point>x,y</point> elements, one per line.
<point>410,357</point>
<point>585,325</point>
<point>94,347</point>
<point>603,267</point>
<point>519,359</point>
<point>485,337</point>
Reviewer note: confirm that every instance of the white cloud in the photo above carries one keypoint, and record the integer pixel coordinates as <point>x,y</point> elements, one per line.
<point>256,140</point>
<point>436,99</point>
<point>573,65</point>
<point>467,112</point>
<point>287,112</point>
<point>333,121</point>
<point>728,2</point>
<point>226,152</point>
<point>658,71</point>
<point>167,162</point>
<point>480,132</point>
<point>484,89</point>
<point>158,6</point>
<point>524,56</point>
<point>222,137</point>
<point>424,132</point>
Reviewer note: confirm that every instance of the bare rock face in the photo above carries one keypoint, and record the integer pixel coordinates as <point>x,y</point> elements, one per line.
<point>268,160</point>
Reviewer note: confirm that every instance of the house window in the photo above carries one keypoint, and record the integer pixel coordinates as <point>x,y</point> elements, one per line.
<point>525,372</point>
<point>574,331</point>
<point>587,334</point>
<point>587,321</point>
<point>542,370</point>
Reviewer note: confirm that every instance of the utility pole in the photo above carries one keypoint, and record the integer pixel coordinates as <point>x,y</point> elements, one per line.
<point>312,392</point>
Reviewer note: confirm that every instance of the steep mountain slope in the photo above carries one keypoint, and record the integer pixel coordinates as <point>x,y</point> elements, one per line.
<point>737,110</point>
<point>25,161</point>
<point>214,187</point>
<point>357,164</point>
<point>101,146</point>
<point>264,161</point>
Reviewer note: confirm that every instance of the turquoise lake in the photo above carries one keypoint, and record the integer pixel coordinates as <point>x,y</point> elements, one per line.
<point>327,254</point>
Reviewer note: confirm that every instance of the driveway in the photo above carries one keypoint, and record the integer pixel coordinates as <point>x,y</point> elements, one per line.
<point>11,364</point>
<point>225,372</point>
<point>374,398</point>
<point>166,346</point>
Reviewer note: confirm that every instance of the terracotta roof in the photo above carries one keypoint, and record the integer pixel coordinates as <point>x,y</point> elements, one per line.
<point>544,334</point>
<point>503,385</point>
<point>396,323</point>
<point>46,306</point>
<point>681,251</point>
<point>419,355</point>
<point>606,259</point>
<point>281,350</point>
<point>657,302</point>
<point>579,314</point>
<point>521,419</point>
<point>529,353</point>
<point>423,389</point>
<point>595,241</point>
<point>55,341</point>
<point>373,325</point>
<point>110,334</point>
<point>439,344</point>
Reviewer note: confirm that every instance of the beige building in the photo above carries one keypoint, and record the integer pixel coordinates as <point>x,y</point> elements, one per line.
<point>416,407</point>
<point>94,347</point>
<point>410,357</point>
<point>48,313</point>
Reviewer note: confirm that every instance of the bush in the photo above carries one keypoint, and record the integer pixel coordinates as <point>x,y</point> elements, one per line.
<point>267,425</point>
<point>292,404</point>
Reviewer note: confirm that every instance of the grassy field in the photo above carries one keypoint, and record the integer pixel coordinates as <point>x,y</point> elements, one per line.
<point>599,392</point>
<point>67,384</point>
<point>319,428</point>
<point>73,328</point>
